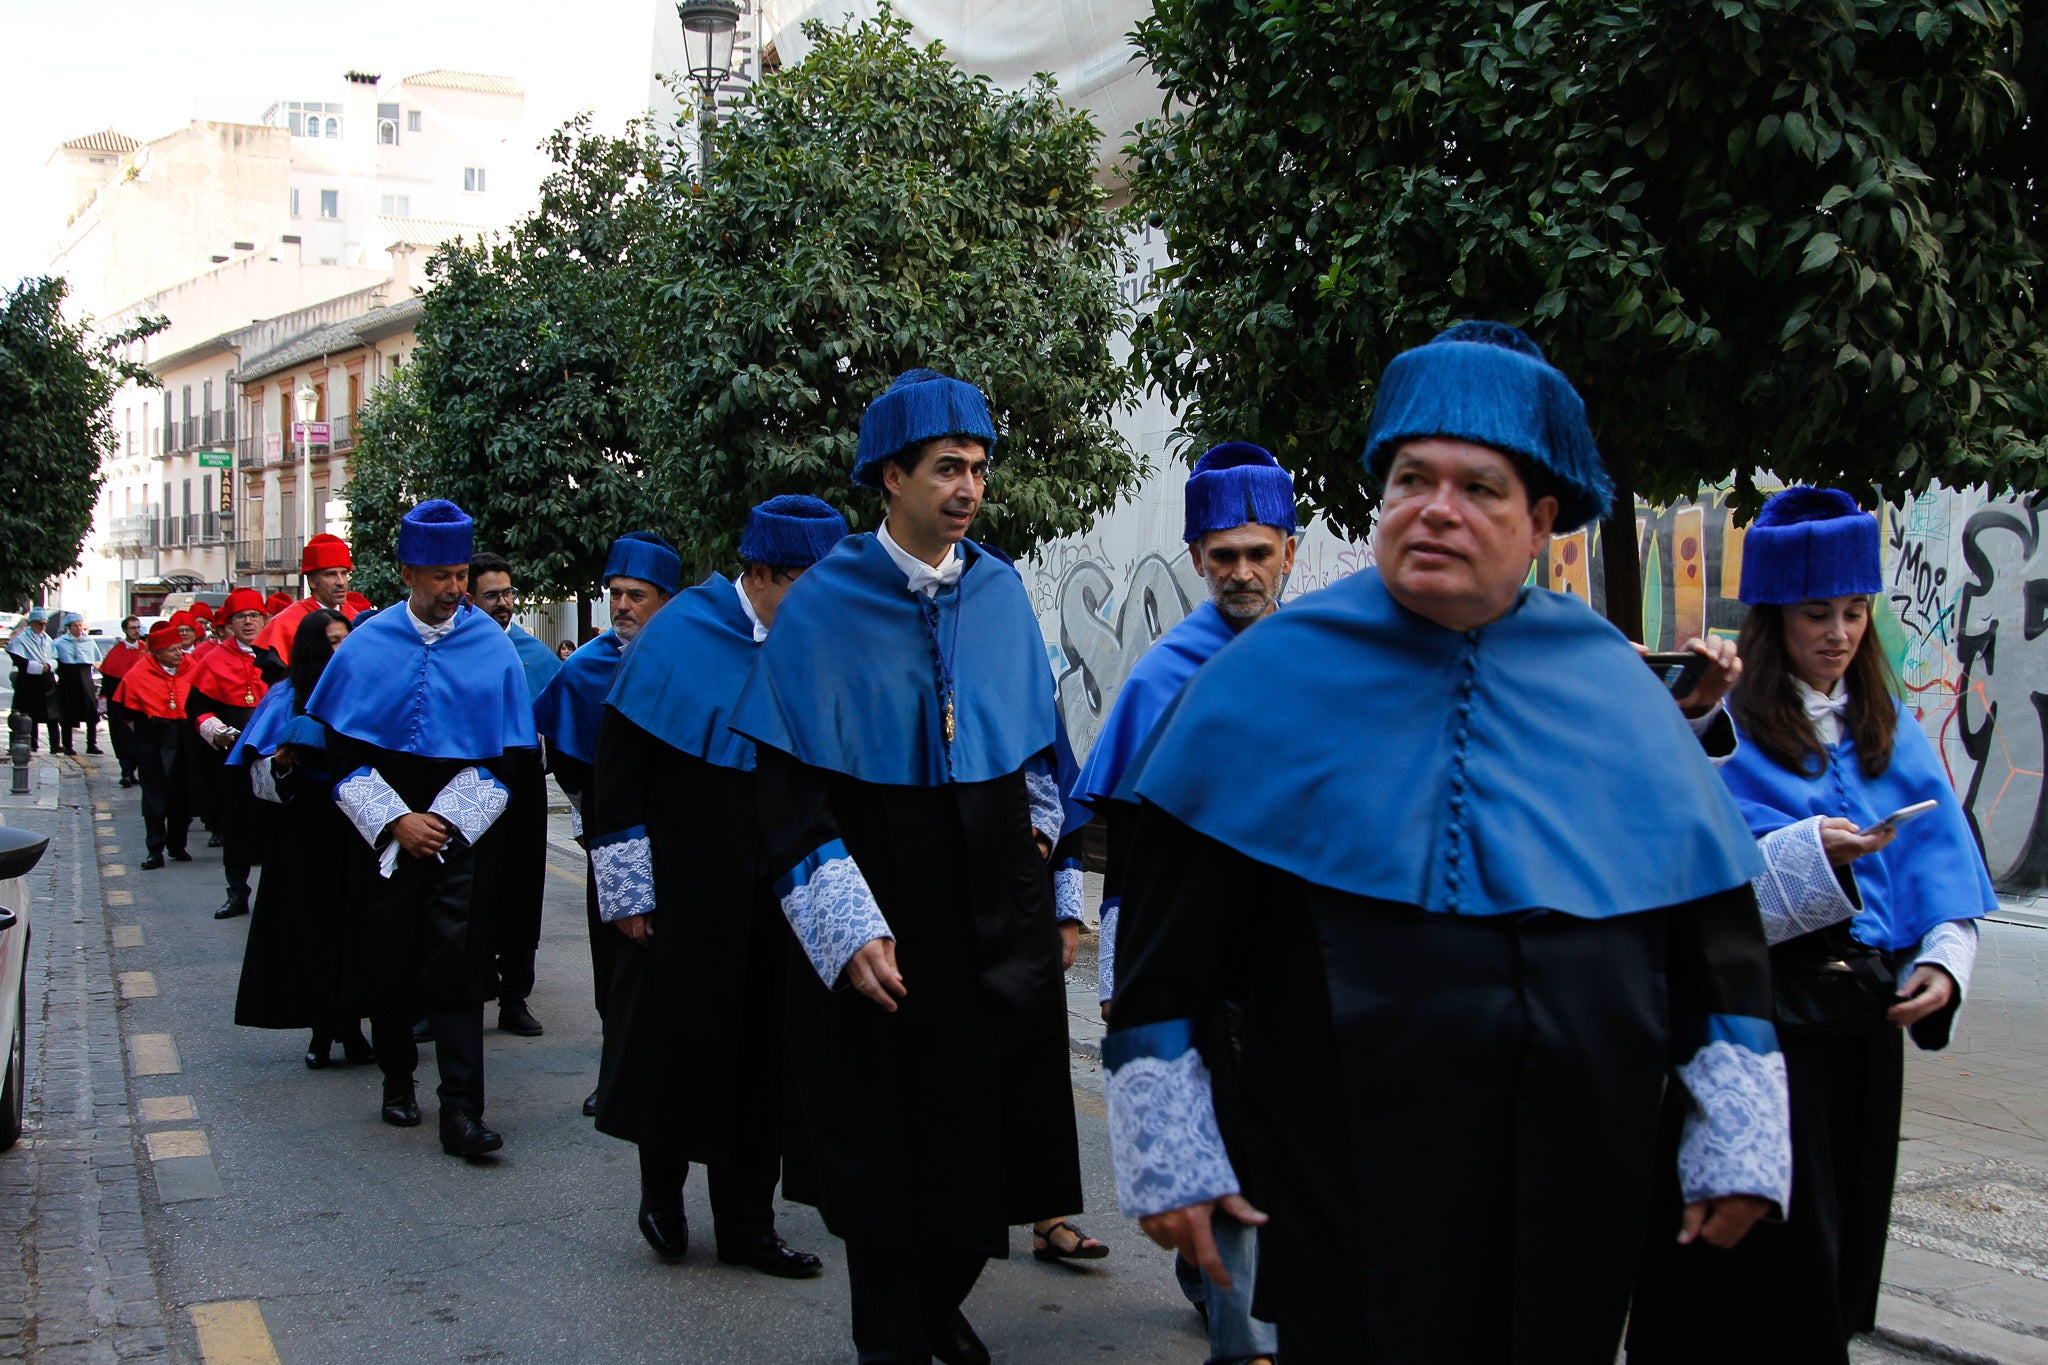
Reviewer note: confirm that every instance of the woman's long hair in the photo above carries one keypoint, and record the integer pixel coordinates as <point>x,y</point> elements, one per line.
<point>310,653</point>
<point>1767,705</point>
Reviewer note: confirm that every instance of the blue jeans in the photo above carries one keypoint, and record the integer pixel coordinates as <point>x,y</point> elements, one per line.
<point>1234,1334</point>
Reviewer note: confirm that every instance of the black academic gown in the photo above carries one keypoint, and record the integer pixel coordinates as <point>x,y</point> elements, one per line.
<point>1489,1086</point>
<point>693,1028</point>
<point>940,1126</point>
<point>229,808</point>
<point>514,881</point>
<point>293,963</point>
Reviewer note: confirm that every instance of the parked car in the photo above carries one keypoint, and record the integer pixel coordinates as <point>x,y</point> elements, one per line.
<point>20,851</point>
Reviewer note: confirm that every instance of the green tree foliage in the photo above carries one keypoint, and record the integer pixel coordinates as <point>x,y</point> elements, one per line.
<point>56,382</point>
<point>869,210</point>
<point>1789,235</point>
<point>514,405</point>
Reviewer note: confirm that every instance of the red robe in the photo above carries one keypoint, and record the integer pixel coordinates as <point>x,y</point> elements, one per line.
<point>227,675</point>
<point>281,629</point>
<point>148,690</point>
<point>122,657</point>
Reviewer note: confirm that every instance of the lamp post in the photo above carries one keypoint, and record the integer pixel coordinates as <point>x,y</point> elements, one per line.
<point>708,30</point>
<point>308,404</point>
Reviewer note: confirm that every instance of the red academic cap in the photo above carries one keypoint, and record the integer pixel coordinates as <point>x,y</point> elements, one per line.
<point>183,618</point>
<point>201,612</point>
<point>164,635</point>
<point>277,603</point>
<point>242,599</point>
<point>325,552</point>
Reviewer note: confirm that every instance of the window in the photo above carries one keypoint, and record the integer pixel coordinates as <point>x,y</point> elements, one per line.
<point>304,118</point>
<point>334,127</point>
<point>330,203</point>
<point>206,492</point>
<point>473,179</point>
<point>295,203</point>
<point>397,205</point>
<point>412,120</point>
<point>387,132</point>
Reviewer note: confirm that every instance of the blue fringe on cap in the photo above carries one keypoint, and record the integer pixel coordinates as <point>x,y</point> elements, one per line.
<point>922,405</point>
<point>1235,483</point>
<point>793,531</point>
<point>436,532</point>
<point>1487,383</point>
<point>645,556</point>
<point>1810,543</point>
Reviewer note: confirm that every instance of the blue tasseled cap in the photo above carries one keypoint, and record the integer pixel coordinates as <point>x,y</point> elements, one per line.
<point>1487,383</point>
<point>1810,543</point>
<point>1235,483</point>
<point>793,531</point>
<point>38,614</point>
<point>922,405</point>
<point>436,532</point>
<point>645,556</point>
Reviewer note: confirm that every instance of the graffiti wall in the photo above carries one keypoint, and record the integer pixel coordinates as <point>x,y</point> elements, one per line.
<point>1964,618</point>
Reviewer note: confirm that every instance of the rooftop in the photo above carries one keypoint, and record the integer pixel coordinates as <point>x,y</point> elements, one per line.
<point>426,231</point>
<point>332,340</point>
<point>467,80</point>
<point>105,140</point>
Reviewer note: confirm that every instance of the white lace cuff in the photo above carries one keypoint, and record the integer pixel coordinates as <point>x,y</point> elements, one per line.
<point>1951,946</point>
<point>575,820</point>
<point>262,781</point>
<point>209,726</point>
<point>1798,891</point>
<point>623,864</point>
<point>370,805</point>
<point>1066,894</point>
<point>1105,948</point>
<point>1048,813</point>
<point>1162,1122</point>
<point>1738,1137</point>
<point>831,910</point>
<point>472,802</point>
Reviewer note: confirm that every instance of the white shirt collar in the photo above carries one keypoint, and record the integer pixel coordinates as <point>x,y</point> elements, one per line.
<point>919,576</point>
<point>1827,710</point>
<point>429,634</point>
<point>747,605</point>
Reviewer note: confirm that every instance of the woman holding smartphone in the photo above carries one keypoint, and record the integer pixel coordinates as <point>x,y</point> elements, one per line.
<point>1873,932</point>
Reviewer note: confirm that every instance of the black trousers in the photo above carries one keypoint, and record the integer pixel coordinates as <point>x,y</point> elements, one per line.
<point>458,1052</point>
<point>742,1191</point>
<point>902,1300</point>
<point>604,943</point>
<point>92,734</point>
<point>123,736</point>
<point>166,809</point>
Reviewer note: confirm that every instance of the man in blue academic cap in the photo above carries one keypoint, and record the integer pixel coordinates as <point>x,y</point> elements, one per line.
<point>693,1028</point>
<point>1239,527</point>
<point>33,655</point>
<point>903,721</point>
<point>426,708</point>
<point>1500,896</point>
<point>641,574</point>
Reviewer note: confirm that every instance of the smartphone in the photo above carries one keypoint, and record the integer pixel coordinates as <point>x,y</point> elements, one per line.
<point>1902,815</point>
<point>1680,670</point>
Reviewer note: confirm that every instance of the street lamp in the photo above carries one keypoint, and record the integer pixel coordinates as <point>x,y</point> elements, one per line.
<point>708,30</point>
<point>308,404</point>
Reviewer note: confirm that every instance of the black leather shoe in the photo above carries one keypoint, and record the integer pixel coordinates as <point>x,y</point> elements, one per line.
<point>957,1344</point>
<point>236,905</point>
<point>94,749</point>
<point>463,1134</point>
<point>356,1049</point>
<point>213,841</point>
<point>590,1105</point>
<point>401,1107</point>
<point>515,1017</point>
<point>666,1230</point>
<point>152,862</point>
<point>317,1053</point>
<point>130,782</point>
<point>423,1029</point>
<point>770,1255</point>
<point>179,855</point>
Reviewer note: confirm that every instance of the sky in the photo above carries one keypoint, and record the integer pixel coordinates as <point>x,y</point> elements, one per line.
<point>147,67</point>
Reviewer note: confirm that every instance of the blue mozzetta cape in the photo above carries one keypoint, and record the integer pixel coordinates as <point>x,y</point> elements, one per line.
<point>537,659</point>
<point>571,706</point>
<point>847,680</point>
<point>462,697</point>
<point>265,730</point>
<point>1531,764</point>
<point>1929,873</point>
<point>684,674</point>
<point>1147,693</point>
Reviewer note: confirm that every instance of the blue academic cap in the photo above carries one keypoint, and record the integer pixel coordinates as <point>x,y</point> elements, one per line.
<point>38,614</point>
<point>1488,383</point>
<point>646,556</point>
<point>793,531</point>
<point>1807,543</point>
<point>436,532</point>
<point>922,405</point>
<point>1235,483</point>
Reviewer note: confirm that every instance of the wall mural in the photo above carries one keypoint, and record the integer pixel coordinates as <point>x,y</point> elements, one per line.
<point>1964,619</point>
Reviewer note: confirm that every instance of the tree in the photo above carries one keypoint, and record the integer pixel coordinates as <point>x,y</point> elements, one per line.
<point>56,382</point>
<point>514,404</point>
<point>1796,236</point>
<point>869,210</point>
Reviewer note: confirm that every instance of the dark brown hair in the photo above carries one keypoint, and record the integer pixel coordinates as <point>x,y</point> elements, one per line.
<point>1767,705</point>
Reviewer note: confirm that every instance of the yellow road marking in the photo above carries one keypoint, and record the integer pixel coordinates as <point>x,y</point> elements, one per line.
<point>100,807</point>
<point>138,985</point>
<point>232,1333</point>
<point>102,815</point>
<point>1089,1103</point>
<point>110,851</point>
<point>167,1108</point>
<point>106,831</point>
<point>570,878</point>
<point>120,898</point>
<point>113,870</point>
<point>154,1054</point>
<point>128,935</point>
<point>177,1142</point>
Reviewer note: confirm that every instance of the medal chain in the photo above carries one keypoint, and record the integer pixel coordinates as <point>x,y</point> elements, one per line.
<point>942,667</point>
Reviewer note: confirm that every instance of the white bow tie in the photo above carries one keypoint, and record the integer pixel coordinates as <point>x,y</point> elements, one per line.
<point>1819,705</point>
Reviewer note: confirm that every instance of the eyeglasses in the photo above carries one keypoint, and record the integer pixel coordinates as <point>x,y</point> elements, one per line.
<point>501,595</point>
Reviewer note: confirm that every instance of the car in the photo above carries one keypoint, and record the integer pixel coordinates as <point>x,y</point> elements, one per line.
<point>20,851</point>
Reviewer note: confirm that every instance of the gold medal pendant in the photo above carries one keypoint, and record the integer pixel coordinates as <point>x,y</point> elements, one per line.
<point>947,723</point>
<point>248,696</point>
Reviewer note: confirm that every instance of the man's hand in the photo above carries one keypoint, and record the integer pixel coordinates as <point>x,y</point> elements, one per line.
<point>1188,1232</point>
<point>1844,843</point>
<point>639,928</point>
<point>224,739</point>
<point>872,972</point>
<point>1724,1221</point>
<point>1044,844</point>
<point>1927,991</point>
<point>282,760</point>
<point>1070,942</point>
<point>421,835</point>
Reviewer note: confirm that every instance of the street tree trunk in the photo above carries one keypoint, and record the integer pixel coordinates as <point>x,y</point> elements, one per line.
<point>584,634</point>
<point>1621,557</point>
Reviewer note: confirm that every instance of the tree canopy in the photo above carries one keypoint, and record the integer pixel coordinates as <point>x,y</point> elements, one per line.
<point>1796,236</point>
<point>56,382</point>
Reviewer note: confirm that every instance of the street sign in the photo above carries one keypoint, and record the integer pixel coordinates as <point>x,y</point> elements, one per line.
<point>216,459</point>
<point>313,433</point>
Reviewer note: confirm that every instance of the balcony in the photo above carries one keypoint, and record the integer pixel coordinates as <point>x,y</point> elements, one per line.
<point>249,452</point>
<point>274,554</point>
<point>131,535</point>
<point>343,431</point>
<point>218,427</point>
